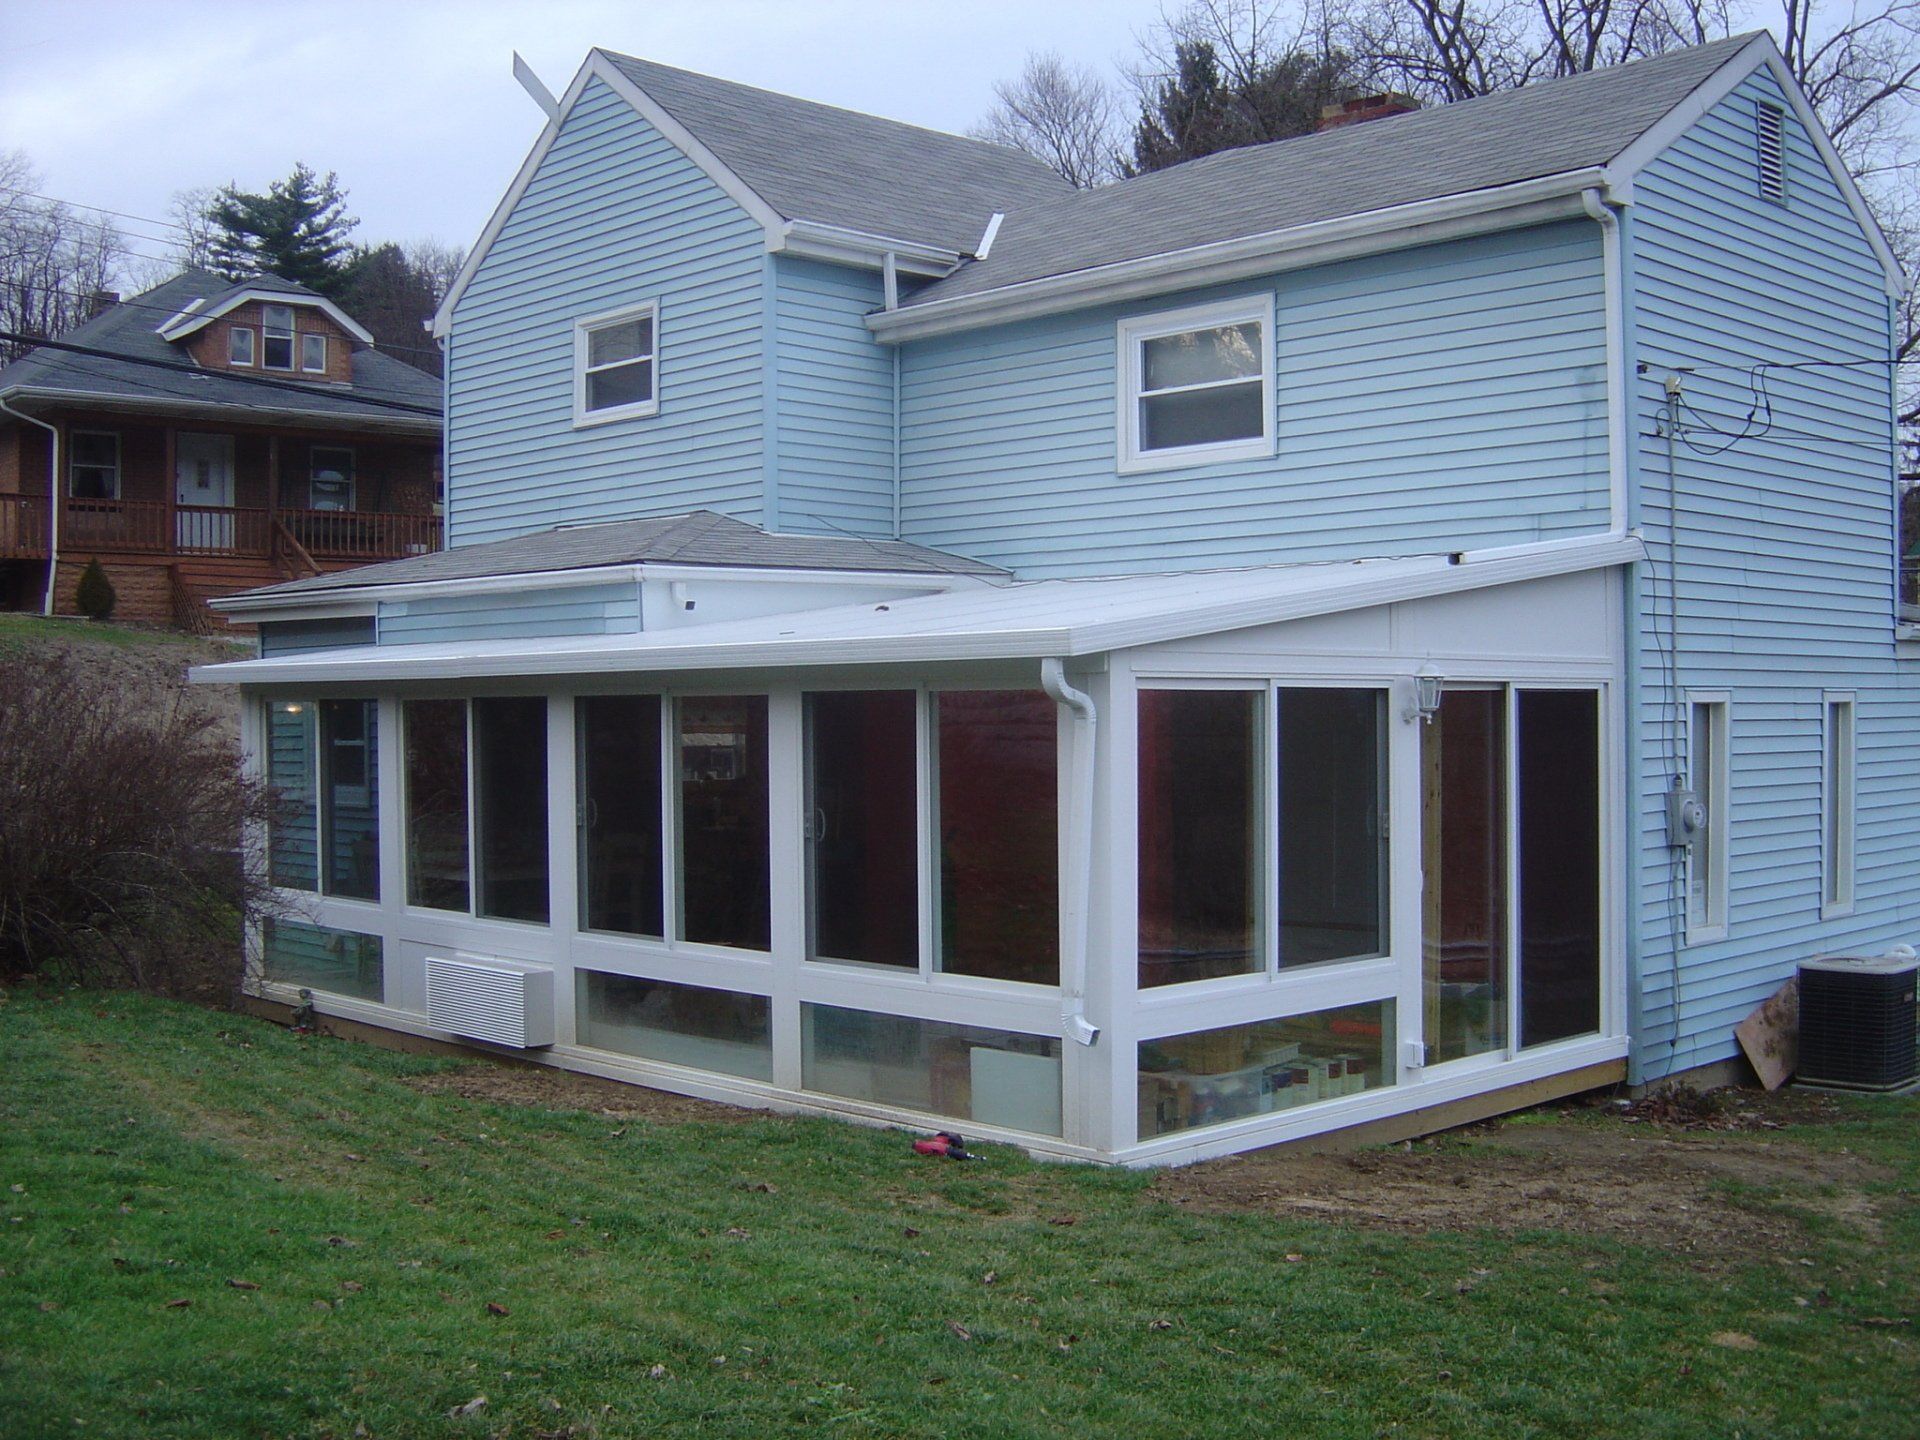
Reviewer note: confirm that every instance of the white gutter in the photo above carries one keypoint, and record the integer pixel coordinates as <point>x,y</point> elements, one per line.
<point>399,421</point>
<point>53,500</point>
<point>1424,222</point>
<point>812,240</point>
<point>1074,959</point>
<point>1613,298</point>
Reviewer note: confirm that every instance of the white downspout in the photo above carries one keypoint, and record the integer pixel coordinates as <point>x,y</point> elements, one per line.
<point>53,501</point>
<point>890,294</point>
<point>1074,958</point>
<point>1614,300</point>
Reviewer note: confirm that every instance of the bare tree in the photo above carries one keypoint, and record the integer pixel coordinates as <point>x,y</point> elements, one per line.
<point>52,261</point>
<point>1062,114</point>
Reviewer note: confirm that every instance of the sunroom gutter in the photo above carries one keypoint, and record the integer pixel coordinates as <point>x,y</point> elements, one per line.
<point>1424,222</point>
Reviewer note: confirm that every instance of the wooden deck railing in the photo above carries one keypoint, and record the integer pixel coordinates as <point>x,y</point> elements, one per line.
<point>154,527</point>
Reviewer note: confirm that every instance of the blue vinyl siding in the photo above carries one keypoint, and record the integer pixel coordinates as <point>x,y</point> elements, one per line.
<point>293,841</point>
<point>835,402</point>
<point>1781,542</point>
<point>606,609</point>
<point>291,637</point>
<point>614,216</point>
<point>1447,396</point>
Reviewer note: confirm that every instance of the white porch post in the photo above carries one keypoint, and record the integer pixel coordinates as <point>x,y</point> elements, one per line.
<point>786,854</point>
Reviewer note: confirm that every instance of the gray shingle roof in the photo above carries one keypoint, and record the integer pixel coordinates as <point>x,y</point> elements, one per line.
<point>1543,129</point>
<point>840,167</point>
<point>130,328</point>
<point>700,538</point>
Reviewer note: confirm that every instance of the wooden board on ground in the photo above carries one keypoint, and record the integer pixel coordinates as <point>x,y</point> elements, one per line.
<point>1771,1036</point>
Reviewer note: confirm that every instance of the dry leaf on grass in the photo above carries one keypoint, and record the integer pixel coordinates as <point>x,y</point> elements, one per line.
<point>1734,1340</point>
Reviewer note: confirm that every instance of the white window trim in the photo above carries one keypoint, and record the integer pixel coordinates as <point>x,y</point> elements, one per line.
<point>234,333</point>
<point>301,339</point>
<point>1131,334</point>
<point>73,461</point>
<point>1838,868</point>
<point>582,329</point>
<point>1712,851</point>
<point>291,336</point>
<point>353,474</point>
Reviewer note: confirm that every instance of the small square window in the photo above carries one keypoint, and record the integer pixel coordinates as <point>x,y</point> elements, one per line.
<point>240,345</point>
<point>614,359</point>
<point>313,353</point>
<point>1196,386</point>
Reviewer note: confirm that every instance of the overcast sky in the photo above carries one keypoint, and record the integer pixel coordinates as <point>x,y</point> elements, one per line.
<point>120,103</point>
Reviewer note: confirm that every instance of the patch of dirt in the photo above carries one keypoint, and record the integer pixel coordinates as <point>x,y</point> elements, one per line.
<point>1606,1182</point>
<point>545,1089</point>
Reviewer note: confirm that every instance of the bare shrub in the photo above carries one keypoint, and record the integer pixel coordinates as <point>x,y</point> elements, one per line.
<point>122,812</point>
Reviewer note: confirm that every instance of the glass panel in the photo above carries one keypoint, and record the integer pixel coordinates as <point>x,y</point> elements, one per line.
<point>862,795</point>
<point>1201,417</point>
<point>293,858</point>
<point>436,740</point>
<point>1199,834</point>
<point>1702,903</point>
<point>961,1072</point>
<point>277,352</point>
<point>277,319</point>
<point>313,352</point>
<point>1464,859</point>
<point>1231,352</point>
<point>622,385</point>
<point>620,873</point>
<point>678,1024</point>
<point>337,961</point>
<point>998,832</point>
<point>724,881</point>
<point>349,780</point>
<point>610,344</point>
<point>1837,820</point>
<point>1331,758</point>
<point>1214,1076</point>
<point>240,346</point>
<point>94,447</point>
<point>1557,796</point>
<point>510,807</point>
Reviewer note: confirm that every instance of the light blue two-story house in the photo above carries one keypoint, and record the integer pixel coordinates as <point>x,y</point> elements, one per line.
<point>1369,629</point>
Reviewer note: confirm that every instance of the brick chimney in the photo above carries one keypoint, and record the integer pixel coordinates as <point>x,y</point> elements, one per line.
<point>101,301</point>
<point>1363,108</point>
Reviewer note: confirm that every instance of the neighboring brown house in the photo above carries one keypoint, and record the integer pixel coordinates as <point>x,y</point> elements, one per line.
<point>188,478</point>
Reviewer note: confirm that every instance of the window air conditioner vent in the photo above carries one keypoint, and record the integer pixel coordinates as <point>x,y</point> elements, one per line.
<point>1858,1022</point>
<point>506,1002</point>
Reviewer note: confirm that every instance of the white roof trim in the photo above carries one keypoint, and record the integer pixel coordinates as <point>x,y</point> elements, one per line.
<point>1029,620</point>
<point>185,323</point>
<point>812,240</point>
<point>1758,53</point>
<point>1446,217</point>
<point>383,420</point>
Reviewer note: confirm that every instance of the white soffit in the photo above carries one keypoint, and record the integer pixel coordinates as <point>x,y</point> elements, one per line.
<point>1022,620</point>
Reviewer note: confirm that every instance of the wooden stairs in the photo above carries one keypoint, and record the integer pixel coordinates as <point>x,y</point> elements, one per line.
<point>193,580</point>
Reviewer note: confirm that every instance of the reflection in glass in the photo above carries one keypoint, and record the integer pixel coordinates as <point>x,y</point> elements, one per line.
<point>510,809</point>
<point>435,732</point>
<point>292,842</point>
<point>1464,858</point>
<point>724,884</point>
<point>1558,760</point>
<point>1332,787</point>
<point>349,767</point>
<point>863,863</point>
<point>620,834</point>
<point>678,1024</point>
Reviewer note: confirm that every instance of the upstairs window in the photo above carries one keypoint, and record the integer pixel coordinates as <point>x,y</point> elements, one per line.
<point>313,354</point>
<point>93,465</point>
<point>1196,385</point>
<point>240,345</point>
<point>614,359</point>
<point>1770,150</point>
<point>276,325</point>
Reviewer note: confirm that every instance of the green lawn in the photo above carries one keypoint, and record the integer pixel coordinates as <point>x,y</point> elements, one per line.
<point>596,1275</point>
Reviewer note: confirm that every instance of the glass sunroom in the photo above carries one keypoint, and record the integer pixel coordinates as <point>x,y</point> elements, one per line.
<point>1143,869</point>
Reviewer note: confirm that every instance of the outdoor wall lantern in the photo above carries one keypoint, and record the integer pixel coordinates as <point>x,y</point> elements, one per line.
<point>1426,696</point>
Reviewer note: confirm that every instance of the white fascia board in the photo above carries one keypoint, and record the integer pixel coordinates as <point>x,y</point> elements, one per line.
<point>1758,53</point>
<point>811,240</point>
<point>426,589</point>
<point>227,410</point>
<point>1424,222</point>
<point>183,325</point>
<point>684,651</point>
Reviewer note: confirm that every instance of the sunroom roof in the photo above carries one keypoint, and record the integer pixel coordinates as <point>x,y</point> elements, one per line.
<point>1021,620</point>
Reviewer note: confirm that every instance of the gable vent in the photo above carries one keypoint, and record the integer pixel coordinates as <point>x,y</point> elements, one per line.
<point>1770,147</point>
<point>507,1002</point>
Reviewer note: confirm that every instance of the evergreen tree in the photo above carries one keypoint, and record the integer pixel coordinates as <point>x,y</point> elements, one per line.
<point>1200,110</point>
<point>394,290</point>
<point>297,230</point>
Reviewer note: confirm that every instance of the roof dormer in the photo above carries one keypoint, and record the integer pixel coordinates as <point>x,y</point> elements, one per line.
<point>265,330</point>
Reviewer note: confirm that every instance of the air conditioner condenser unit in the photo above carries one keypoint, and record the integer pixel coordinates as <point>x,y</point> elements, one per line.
<point>1858,1022</point>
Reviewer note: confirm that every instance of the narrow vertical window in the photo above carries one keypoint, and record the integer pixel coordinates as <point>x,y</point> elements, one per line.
<point>998,832</point>
<point>276,329</point>
<point>293,858</point>
<point>1837,825</point>
<point>240,345</point>
<point>1463,763</point>
<point>1331,774</point>
<point>1199,834</point>
<point>1770,150</point>
<point>313,353</point>
<point>863,872</point>
<point>1557,804</point>
<point>436,764</point>
<point>725,894</point>
<point>510,807</point>
<point>350,834</point>
<point>1707,860</point>
<point>620,829</point>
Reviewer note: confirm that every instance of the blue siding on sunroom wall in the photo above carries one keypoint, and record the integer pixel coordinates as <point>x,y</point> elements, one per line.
<point>614,216</point>
<point>604,609</point>
<point>1784,563</point>
<point>1451,396</point>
